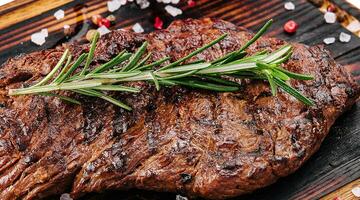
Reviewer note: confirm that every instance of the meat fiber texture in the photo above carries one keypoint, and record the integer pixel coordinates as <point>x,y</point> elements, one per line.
<point>194,142</point>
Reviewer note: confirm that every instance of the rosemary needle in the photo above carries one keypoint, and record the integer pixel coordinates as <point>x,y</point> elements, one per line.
<point>154,78</point>
<point>295,75</point>
<point>205,85</point>
<point>65,98</point>
<point>66,74</point>
<point>271,81</point>
<point>142,62</point>
<point>135,57</point>
<point>91,52</point>
<point>63,70</point>
<point>156,63</point>
<point>192,54</point>
<point>231,55</point>
<point>90,92</point>
<point>287,88</point>
<point>113,62</point>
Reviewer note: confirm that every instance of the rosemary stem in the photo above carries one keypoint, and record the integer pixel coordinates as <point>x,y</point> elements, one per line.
<point>53,87</point>
<point>257,35</point>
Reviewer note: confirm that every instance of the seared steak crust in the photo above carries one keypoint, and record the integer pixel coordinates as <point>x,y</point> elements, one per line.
<point>200,143</point>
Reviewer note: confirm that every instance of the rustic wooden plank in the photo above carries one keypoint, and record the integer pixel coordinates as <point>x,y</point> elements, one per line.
<point>32,10</point>
<point>13,6</point>
<point>348,7</point>
<point>344,193</point>
<point>18,34</point>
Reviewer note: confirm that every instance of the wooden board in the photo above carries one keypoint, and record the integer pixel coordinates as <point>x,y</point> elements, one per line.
<point>336,164</point>
<point>344,193</point>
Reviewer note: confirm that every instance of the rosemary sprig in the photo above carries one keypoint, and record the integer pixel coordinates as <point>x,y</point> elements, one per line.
<point>128,67</point>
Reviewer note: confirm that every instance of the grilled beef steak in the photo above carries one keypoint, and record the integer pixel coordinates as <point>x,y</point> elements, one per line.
<point>199,143</point>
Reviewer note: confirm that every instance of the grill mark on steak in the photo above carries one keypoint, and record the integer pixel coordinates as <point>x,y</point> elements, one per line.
<point>200,143</point>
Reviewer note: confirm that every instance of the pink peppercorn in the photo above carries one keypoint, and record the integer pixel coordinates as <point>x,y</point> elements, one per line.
<point>191,3</point>
<point>158,23</point>
<point>331,8</point>
<point>291,27</point>
<point>104,22</point>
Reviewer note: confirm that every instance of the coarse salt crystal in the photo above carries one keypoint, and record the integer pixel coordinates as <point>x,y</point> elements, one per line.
<point>66,26</point>
<point>122,2</point>
<point>179,197</point>
<point>329,40</point>
<point>38,38</point>
<point>166,1</point>
<point>113,5</point>
<point>103,30</point>
<point>330,17</point>
<point>175,1</point>
<point>143,3</point>
<point>65,196</point>
<point>344,37</point>
<point>173,11</point>
<point>356,191</point>
<point>137,28</point>
<point>159,1</point>
<point>59,14</point>
<point>289,6</point>
<point>354,26</point>
<point>45,32</point>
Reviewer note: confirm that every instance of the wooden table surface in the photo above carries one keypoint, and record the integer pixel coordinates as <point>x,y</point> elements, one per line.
<point>332,172</point>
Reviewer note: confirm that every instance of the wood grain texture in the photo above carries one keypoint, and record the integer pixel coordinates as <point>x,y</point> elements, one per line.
<point>28,11</point>
<point>13,6</point>
<point>337,162</point>
<point>344,193</point>
<point>348,7</point>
